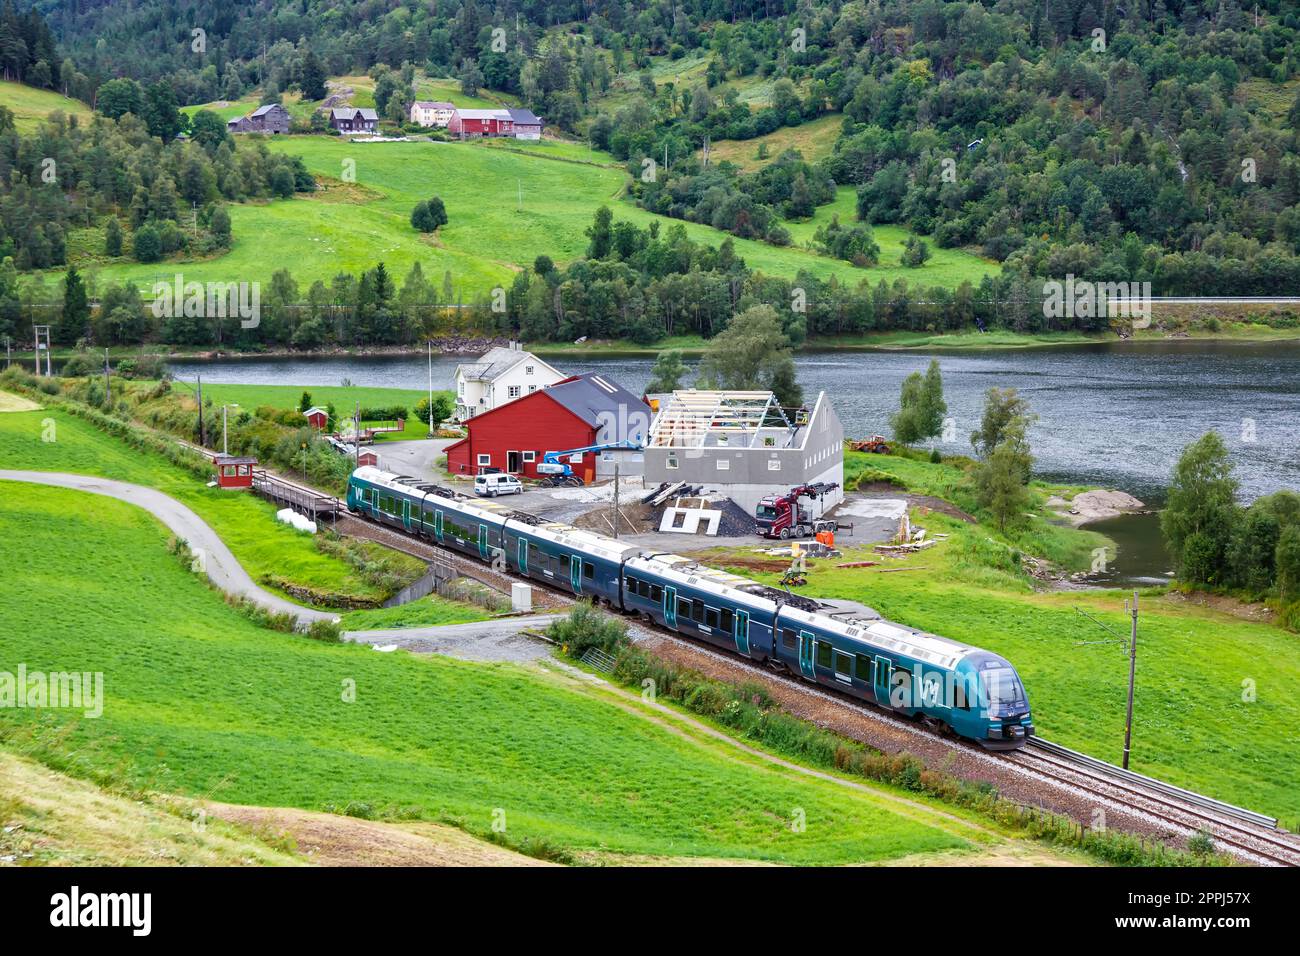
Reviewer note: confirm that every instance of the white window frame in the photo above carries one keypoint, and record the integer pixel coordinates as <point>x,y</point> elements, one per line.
<point>724,464</point>
<point>514,391</point>
<point>529,456</point>
<point>671,462</point>
<point>774,464</point>
<point>484,459</point>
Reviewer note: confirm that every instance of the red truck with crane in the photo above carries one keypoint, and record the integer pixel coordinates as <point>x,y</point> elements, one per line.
<point>781,516</point>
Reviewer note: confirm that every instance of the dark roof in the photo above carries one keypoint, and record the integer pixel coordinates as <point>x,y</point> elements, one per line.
<point>591,395</point>
<point>526,117</point>
<point>261,110</point>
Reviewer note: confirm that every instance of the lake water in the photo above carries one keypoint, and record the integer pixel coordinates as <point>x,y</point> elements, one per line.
<point>1115,415</point>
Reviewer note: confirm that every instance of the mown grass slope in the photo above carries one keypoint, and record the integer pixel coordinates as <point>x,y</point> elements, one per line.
<point>506,206</point>
<point>267,549</point>
<point>31,106</point>
<point>202,703</point>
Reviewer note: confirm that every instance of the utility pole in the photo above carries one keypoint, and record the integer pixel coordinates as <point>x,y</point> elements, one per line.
<point>1132,641</point>
<point>430,343</point>
<point>8,360</point>
<point>614,518</point>
<point>42,344</point>
<point>356,436</point>
<point>108,388</point>
<point>225,446</point>
<point>1132,673</point>
<point>203,435</point>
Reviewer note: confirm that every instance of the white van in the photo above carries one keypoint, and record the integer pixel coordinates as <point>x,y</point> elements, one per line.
<point>497,483</point>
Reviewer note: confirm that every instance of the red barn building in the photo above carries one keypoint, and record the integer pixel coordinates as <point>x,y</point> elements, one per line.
<point>466,123</point>
<point>317,417</point>
<point>578,412</point>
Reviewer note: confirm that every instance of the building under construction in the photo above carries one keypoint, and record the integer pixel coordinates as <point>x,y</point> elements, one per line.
<point>745,445</point>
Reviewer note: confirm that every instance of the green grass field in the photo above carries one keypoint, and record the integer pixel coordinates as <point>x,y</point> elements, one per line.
<point>946,267</point>
<point>813,140</point>
<point>200,702</point>
<point>344,397</point>
<point>31,106</point>
<point>246,523</point>
<point>1193,725</point>
<point>348,227</point>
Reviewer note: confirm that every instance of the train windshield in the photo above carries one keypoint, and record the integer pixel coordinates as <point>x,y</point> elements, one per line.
<point>1002,686</point>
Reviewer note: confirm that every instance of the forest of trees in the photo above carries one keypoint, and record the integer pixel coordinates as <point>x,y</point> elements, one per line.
<point>1150,141</point>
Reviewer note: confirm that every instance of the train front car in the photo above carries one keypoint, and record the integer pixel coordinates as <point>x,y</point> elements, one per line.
<point>996,711</point>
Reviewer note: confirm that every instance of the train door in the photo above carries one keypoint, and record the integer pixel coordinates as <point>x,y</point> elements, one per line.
<point>884,667</point>
<point>575,573</point>
<point>522,554</point>
<point>483,542</point>
<point>742,632</point>
<point>670,607</point>
<point>437,525</point>
<point>806,644</point>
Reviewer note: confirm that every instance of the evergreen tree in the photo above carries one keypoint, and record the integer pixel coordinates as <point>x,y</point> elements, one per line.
<point>74,320</point>
<point>313,77</point>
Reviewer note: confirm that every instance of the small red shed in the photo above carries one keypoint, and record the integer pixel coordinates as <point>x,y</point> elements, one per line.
<point>234,472</point>
<point>318,418</point>
<point>367,457</point>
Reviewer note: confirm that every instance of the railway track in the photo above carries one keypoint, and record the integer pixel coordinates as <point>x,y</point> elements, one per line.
<point>1250,836</point>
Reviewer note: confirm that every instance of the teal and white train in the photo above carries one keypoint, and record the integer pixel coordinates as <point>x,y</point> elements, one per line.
<point>971,691</point>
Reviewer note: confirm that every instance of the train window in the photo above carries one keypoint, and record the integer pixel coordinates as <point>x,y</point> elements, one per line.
<point>843,664</point>
<point>562,563</point>
<point>710,617</point>
<point>697,612</point>
<point>588,570</point>
<point>684,608</point>
<point>824,652</point>
<point>789,640</point>
<point>643,589</point>
<point>632,584</point>
<point>864,668</point>
<point>656,593</point>
<point>428,518</point>
<point>727,618</point>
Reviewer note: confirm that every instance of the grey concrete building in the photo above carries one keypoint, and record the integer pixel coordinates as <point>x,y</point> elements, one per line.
<point>744,445</point>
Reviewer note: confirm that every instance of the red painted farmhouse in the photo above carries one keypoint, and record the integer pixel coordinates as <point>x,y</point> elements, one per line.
<point>577,412</point>
<point>466,122</point>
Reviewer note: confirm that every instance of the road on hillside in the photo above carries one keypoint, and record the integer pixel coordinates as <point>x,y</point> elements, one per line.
<point>495,640</point>
<point>222,568</point>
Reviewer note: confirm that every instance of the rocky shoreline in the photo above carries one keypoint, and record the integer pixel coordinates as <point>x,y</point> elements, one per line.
<point>1097,505</point>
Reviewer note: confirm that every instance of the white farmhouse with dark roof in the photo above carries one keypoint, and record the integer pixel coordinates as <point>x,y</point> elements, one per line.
<point>500,375</point>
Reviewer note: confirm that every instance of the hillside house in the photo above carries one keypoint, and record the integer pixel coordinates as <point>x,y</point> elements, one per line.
<point>271,118</point>
<point>576,412</point>
<point>352,119</point>
<point>527,124</point>
<point>500,375</point>
<point>432,113</point>
<point>467,123</point>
